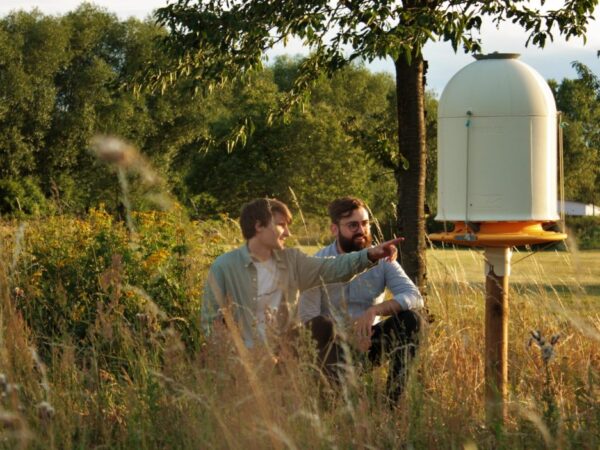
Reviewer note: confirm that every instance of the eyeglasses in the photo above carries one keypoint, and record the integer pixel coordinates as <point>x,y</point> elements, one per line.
<point>355,225</point>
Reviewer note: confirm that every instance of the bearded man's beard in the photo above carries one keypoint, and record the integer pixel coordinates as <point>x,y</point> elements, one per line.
<point>353,244</point>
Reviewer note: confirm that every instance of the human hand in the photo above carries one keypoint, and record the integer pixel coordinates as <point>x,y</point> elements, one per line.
<point>363,330</point>
<point>385,250</point>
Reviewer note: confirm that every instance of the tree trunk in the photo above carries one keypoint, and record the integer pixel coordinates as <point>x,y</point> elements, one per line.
<point>410,100</point>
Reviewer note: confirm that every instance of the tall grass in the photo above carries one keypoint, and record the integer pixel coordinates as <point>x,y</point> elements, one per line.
<point>100,348</point>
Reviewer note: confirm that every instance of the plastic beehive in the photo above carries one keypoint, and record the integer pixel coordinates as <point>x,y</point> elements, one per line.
<point>497,144</point>
<point>497,136</point>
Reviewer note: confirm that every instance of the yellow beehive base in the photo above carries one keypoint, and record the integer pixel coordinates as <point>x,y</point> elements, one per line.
<point>498,234</point>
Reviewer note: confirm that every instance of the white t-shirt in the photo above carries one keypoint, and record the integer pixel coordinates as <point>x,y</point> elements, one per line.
<point>269,294</point>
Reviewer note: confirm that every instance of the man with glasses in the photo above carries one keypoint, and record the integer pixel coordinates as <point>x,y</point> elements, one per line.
<point>353,307</point>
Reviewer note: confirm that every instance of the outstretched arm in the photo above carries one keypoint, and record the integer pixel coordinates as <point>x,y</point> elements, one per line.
<point>313,271</point>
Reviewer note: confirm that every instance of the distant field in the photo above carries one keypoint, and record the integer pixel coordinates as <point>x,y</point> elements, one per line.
<point>563,279</point>
<point>568,268</point>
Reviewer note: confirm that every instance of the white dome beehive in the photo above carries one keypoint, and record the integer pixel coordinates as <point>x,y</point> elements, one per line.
<point>497,144</point>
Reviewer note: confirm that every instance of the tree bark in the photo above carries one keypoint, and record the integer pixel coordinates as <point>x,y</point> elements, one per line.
<point>410,100</point>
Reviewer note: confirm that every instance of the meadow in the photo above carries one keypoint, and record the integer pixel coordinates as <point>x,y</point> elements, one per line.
<point>100,344</point>
<point>100,348</point>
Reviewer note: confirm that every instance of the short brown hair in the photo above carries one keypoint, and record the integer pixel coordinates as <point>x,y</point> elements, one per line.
<point>261,210</point>
<point>343,207</point>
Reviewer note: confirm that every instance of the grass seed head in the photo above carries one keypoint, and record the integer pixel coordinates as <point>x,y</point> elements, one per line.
<point>11,388</point>
<point>45,410</point>
<point>114,151</point>
<point>10,420</point>
<point>546,347</point>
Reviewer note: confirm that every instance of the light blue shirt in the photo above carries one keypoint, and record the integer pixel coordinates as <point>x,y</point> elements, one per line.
<point>353,298</point>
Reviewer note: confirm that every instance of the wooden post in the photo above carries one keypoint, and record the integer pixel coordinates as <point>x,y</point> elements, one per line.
<point>497,270</point>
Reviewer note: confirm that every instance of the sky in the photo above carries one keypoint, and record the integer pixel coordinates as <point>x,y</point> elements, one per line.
<point>554,61</point>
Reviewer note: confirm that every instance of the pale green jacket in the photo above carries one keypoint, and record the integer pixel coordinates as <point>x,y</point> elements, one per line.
<point>232,281</point>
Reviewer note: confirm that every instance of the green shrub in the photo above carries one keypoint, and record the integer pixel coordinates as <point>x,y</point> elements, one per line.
<point>586,231</point>
<point>21,197</point>
<point>86,278</point>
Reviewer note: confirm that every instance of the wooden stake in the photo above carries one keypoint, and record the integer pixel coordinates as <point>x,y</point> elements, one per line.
<point>496,333</point>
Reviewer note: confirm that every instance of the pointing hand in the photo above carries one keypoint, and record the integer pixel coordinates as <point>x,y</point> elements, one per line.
<point>385,250</point>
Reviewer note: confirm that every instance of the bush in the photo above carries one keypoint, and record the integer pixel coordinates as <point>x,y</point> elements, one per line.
<point>22,197</point>
<point>84,278</point>
<point>586,230</point>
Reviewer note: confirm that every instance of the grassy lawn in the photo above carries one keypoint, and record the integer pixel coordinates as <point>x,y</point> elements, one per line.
<point>558,281</point>
<point>577,269</point>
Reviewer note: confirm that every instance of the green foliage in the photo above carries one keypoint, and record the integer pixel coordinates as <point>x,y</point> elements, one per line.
<point>83,277</point>
<point>215,41</point>
<point>32,49</point>
<point>281,156</point>
<point>85,75</point>
<point>65,79</point>
<point>21,197</point>
<point>579,100</point>
<point>586,231</point>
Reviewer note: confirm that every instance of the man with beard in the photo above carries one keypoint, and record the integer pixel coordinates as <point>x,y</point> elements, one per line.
<point>352,307</point>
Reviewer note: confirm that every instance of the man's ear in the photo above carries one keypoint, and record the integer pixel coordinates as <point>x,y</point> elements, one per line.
<point>258,226</point>
<point>334,229</point>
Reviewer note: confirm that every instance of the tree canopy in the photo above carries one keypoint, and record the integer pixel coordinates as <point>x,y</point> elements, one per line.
<point>579,101</point>
<point>67,78</point>
<point>214,41</point>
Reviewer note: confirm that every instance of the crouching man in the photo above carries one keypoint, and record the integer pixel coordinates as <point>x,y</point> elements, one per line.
<point>354,306</point>
<point>260,282</point>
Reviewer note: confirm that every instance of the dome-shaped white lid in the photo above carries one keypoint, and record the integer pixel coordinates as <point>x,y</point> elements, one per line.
<point>497,85</point>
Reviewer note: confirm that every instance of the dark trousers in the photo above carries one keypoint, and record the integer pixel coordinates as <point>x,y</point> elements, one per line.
<point>394,339</point>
